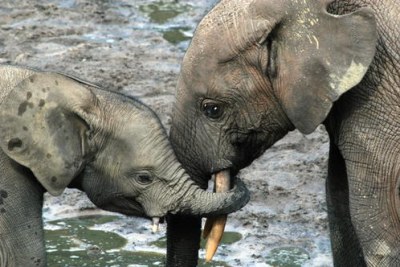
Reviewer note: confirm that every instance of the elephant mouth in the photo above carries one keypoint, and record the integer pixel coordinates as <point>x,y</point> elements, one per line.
<point>130,207</point>
<point>125,206</point>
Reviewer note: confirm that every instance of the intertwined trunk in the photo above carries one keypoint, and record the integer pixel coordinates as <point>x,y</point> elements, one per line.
<point>183,231</point>
<point>189,202</point>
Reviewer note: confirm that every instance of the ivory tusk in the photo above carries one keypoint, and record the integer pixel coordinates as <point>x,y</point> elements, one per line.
<point>215,236</point>
<point>156,225</point>
<point>214,227</point>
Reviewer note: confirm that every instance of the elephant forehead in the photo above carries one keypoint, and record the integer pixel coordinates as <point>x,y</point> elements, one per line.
<point>226,16</point>
<point>141,126</point>
<point>212,80</point>
<point>230,28</point>
<point>141,136</point>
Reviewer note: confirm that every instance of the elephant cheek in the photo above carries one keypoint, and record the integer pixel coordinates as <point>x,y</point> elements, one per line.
<point>97,192</point>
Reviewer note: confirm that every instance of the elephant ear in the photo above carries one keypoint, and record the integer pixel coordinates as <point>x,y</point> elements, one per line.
<point>41,129</point>
<point>315,57</point>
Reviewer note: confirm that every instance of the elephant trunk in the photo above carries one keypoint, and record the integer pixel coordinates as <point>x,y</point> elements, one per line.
<point>192,200</point>
<point>184,220</point>
<point>183,240</point>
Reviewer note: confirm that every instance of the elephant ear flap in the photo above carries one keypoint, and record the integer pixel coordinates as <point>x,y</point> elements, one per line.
<point>39,130</point>
<point>315,57</point>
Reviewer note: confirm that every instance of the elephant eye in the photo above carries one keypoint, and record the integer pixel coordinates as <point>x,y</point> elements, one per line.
<point>144,178</point>
<point>212,109</point>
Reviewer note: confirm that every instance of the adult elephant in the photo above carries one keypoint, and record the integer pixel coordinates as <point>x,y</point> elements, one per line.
<point>257,69</point>
<point>58,132</point>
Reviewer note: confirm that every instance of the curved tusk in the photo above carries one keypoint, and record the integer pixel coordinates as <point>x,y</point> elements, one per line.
<point>214,227</point>
<point>156,225</point>
<point>215,236</point>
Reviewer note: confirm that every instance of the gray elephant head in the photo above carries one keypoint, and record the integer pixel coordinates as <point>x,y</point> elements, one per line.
<point>70,133</point>
<point>257,69</point>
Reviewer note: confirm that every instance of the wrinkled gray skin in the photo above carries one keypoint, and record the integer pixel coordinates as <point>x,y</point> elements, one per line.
<point>257,69</point>
<point>56,131</point>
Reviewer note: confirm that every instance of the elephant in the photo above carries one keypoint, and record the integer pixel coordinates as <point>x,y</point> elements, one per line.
<point>58,131</point>
<point>258,69</point>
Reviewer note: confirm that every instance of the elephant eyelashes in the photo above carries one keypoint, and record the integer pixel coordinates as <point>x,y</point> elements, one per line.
<point>144,178</point>
<point>212,109</point>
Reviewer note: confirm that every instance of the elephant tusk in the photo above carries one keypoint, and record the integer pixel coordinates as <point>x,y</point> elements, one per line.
<point>156,225</point>
<point>215,236</point>
<point>214,227</point>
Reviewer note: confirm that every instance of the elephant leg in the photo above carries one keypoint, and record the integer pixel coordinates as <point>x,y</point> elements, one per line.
<point>21,227</point>
<point>374,202</point>
<point>345,244</point>
<point>183,240</point>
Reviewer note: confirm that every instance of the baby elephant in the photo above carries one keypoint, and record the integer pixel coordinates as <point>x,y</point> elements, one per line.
<point>58,132</point>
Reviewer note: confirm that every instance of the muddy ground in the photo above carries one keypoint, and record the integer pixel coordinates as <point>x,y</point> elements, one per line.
<point>136,47</point>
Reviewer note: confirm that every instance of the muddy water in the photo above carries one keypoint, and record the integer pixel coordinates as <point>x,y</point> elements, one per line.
<point>161,13</point>
<point>74,242</point>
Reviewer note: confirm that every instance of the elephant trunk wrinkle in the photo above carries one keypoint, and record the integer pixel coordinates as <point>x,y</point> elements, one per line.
<point>216,203</point>
<point>183,192</point>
